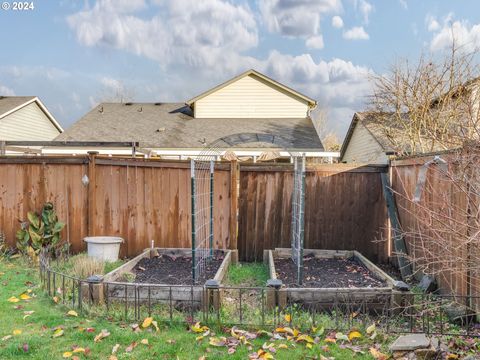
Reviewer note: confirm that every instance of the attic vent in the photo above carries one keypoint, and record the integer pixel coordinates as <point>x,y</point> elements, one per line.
<point>128,103</point>
<point>158,103</point>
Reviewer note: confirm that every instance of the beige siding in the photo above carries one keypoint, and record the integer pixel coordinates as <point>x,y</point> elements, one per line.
<point>251,97</point>
<point>27,123</point>
<point>363,148</point>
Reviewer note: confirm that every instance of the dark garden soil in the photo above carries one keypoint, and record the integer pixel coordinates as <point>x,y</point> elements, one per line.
<point>173,270</point>
<point>327,273</point>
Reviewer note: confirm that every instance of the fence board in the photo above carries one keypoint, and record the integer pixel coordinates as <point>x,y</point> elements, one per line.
<point>344,210</point>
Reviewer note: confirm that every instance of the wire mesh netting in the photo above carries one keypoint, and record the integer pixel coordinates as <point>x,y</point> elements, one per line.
<point>202,216</point>
<point>298,214</point>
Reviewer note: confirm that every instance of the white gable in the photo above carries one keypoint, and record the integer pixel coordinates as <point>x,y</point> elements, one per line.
<point>28,123</point>
<point>364,148</point>
<point>251,97</point>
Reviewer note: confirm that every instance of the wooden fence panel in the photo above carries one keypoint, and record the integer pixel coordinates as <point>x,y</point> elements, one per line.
<point>439,197</point>
<point>137,200</point>
<point>26,187</point>
<point>344,210</point>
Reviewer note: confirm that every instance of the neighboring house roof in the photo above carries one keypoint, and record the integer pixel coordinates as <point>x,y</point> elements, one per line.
<point>386,137</point>
<point>312,102</point>
<point>172,126</point>
<point>366,119</point>
<point>10,104</point>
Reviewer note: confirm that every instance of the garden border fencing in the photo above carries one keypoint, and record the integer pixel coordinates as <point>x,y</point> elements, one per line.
<point>257,306</point>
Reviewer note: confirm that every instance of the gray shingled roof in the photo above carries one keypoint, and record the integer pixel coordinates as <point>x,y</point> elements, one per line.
<point>172,125</point>
<point>388,136</point>
<point>8,103</point>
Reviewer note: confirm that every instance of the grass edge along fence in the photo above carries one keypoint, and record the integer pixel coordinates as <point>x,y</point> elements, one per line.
<point>420,314</point>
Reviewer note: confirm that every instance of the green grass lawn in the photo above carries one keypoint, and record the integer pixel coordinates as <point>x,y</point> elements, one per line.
<point>27,327</point>
<point>247,274</point>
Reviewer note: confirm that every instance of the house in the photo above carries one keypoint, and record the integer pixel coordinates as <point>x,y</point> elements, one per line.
<point>271,118</point>
<point>25,118</point>
<point>365,142</point>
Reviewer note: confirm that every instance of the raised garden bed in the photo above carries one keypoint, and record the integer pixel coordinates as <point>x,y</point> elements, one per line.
<point>331,278</point>
<point>163,276</point>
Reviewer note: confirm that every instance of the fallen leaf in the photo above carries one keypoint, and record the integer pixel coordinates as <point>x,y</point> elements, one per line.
<point>112,357</point>
<point>198,329</point>
<point>354,335</point>
<point>5,338</point>
<point>115,348</point>
<point>217,341</point>
<point>144,341</point>
<point>147,322</point>
<point>305,338</point>
<point>57,333</point>
<point>377,355</point>
<point>340,336</point>
<point>103,334</point>
<point>17,332</point>
<point>78,350</point>
<point>288,317</point>
<point>25,347</point>
<point>25,296</point>
<point>13,299</point>
<point>67,354</point>
<point>155,325</point>
<point>371,329</point>
<point>55,299</point>
<point>452,357</point>
<point>72,313</point>
<point>130,347</point>
<point>282,346</point>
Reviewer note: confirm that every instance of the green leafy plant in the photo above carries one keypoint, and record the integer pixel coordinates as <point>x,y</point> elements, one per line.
<point>40,231</point>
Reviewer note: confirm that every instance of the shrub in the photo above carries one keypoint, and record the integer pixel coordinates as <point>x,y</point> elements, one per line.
<point>41,231</point>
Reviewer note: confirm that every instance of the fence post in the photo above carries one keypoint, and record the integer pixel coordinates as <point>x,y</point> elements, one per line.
<point>234,170</point>
<point>212,288</point>
<point>93,290</point>
<point>91,192</point>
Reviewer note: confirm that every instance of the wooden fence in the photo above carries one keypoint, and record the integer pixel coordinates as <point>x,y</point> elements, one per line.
<point>344,209</point>
<point>439,252</point>
<point>140,200</point>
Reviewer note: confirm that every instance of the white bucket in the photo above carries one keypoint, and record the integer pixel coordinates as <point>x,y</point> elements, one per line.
<point>105,248</point>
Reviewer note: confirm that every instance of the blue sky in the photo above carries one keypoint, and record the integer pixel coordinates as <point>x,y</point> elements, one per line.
<point>73,54</point>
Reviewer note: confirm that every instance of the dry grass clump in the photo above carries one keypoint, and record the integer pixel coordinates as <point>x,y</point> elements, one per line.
<point>84,266</point>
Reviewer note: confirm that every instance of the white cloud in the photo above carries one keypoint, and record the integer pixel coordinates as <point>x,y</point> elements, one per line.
<point>337,22</point>
<point>466,36</point>
<point>432,23</point>
<point>315,42</point>
<point>365,8</point>
<point>297,18</point>
<point>336,82</point>
<point>403,4</point>
<point>6,91</point>
<point>356,33</point>
<point>202,43</point>
<point>196,33</point>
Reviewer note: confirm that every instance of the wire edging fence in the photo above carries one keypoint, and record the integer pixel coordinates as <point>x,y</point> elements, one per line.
<point>263,307</point>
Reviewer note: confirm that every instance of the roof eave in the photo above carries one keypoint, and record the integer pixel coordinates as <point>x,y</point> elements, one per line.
<point>311,102</point>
